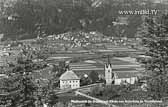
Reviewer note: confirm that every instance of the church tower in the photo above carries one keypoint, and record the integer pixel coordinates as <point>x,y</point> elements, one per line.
<point>109,75</point>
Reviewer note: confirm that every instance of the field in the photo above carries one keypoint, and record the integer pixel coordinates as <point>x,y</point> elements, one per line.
<point>82,62</point>
<point>89,62</point>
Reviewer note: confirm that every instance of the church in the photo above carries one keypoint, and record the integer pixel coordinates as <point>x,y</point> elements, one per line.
<point>70,79</point>
<point>115,78</point>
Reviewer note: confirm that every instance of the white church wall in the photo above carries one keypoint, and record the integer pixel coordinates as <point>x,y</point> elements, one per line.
<point>131,80</point>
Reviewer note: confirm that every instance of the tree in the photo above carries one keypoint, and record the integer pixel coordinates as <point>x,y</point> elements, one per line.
<point>33,17</point>
<point>155,38</point>
<point>55,68</point>
<point>111,92</point>
<point>20,87</point>
<point>62,67</point>
<point>22,74</point>
<point>94,76</point>
<point>42,54</point>
<point>52,99</point>
<point>85,81</point>
<point>97,91</point>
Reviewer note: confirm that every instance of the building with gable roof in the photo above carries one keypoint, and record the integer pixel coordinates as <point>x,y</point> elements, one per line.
<point>69,80</point>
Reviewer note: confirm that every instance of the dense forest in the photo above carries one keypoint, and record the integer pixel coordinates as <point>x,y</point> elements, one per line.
<point>21,19</point>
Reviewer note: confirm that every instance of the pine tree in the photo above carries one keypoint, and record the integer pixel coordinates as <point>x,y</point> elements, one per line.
<point>19,86</point>
<point>155,39</point>
<point>23,87</point>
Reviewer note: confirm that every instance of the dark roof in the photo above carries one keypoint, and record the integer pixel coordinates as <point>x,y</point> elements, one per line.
<point>126,74</point>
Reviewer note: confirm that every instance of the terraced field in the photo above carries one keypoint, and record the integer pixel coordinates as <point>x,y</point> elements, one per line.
<point>119,66</point>
<point>87,62</point>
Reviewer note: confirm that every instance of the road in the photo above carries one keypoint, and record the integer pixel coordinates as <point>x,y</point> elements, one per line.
<point>95,99</point>
<point>70,90</point>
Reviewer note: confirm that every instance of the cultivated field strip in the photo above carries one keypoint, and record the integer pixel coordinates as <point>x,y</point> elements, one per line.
<point>90,67</point>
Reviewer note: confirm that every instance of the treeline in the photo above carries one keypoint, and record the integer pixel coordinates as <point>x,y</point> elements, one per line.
<point>30,18</point>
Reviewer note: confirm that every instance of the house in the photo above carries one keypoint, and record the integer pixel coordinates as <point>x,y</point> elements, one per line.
<point>69,80</point>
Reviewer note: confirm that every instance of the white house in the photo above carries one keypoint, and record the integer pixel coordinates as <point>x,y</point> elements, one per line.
<point>69,80</point>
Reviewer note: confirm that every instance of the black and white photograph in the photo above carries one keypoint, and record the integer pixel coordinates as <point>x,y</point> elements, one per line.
<point>83,53</point>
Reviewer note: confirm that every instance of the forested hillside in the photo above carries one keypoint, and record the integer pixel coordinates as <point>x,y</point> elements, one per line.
<point>21,19</point>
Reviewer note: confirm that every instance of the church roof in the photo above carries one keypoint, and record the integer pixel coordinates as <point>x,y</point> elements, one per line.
<point>126,74</point>
<point>69,75</point>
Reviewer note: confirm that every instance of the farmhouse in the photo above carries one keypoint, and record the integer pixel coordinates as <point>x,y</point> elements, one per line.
<point>69,80</point>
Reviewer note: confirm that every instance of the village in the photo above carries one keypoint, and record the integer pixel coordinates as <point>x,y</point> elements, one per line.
<point>80,71</point>
<point>83,53</point>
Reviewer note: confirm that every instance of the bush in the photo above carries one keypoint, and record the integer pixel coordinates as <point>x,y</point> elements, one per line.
<point>97,91</point>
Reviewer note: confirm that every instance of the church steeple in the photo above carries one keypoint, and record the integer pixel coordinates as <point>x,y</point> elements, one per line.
<point>108,61</point>
<point>109,72</point>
